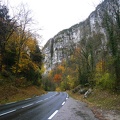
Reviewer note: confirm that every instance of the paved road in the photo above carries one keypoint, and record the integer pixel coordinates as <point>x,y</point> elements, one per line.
<point>38,108</point>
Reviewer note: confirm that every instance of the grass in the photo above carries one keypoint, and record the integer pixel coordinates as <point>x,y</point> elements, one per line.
<point>10,93</point>
<point>103,99</point>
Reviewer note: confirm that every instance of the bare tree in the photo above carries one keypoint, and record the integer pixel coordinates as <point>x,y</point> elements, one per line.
<point>24,33</point>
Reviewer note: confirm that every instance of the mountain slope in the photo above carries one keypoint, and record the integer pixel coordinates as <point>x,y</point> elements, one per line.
<point>62,45</point>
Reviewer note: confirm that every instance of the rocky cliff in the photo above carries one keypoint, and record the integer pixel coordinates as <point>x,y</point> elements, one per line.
<point>61,46</point>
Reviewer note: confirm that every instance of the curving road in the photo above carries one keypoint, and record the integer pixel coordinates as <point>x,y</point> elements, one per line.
<point>38,108</point>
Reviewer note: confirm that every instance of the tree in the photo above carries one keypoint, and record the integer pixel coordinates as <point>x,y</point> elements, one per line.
<point>57,78</point>
<point>23,34</point>
<point>111,22</point>
<point>7,27</point>
<point>36,56</point>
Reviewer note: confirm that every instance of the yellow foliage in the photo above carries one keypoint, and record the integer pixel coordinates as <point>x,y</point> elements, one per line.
<point>25,64</point>
<point>60,67</point>
<point>70,81</point>
<point>58,89</point>
<point>100,66</point>
<point>42,69</point>
<point>31,44</point>
<point>50,73</point>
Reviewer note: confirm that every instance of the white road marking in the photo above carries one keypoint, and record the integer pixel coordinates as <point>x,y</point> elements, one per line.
<point>27,98</point>
<point>27,105</point>
<point>30,105</point>
<point>7,112</point>
<point>53,115</point>
<point>66,98</point>
<point>63,103</point>
<point>46,98</point>
<point>39,101</point>
<point>10,103</point>
<point>50,97</point>
<point>67,95</point>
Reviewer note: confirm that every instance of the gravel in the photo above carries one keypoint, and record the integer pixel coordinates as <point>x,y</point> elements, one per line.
<point>74,110</point>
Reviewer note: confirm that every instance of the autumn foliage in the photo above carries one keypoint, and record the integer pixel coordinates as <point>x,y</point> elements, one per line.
<point>20,55</point>
<point>57,78</point>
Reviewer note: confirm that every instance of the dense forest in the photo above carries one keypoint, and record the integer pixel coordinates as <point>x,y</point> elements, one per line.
<point>96,60</point>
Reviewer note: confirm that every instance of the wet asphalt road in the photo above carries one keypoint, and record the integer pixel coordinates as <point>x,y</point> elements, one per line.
<point>38,108</point>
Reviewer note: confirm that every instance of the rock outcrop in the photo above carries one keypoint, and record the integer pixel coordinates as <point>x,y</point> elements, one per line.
<point>61,46</point>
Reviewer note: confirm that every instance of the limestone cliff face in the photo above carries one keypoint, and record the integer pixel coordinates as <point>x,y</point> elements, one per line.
<point>61,45</point>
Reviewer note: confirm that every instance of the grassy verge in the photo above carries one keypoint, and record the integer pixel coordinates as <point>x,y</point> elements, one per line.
<point>16,89</point>
<point>11,93</point>
<point>104,104</point>
<point>102,99</point>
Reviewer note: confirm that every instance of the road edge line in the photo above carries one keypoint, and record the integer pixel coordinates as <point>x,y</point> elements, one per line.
<point>63,103</point>
<point>53,115</point>
<point>7,112</point>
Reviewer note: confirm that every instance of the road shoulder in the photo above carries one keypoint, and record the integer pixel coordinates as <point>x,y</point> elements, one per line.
<point>74,110</point>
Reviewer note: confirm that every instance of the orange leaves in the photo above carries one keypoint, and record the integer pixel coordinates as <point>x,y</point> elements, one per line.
<point>57,78</point>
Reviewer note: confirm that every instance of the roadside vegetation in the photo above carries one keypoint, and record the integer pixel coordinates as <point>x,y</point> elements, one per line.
<point>20,56</point>
<point>11,93</point>
<point>103,103</point>
<point>94,63</point>
<point>99,98</point>
<point>95,60</point>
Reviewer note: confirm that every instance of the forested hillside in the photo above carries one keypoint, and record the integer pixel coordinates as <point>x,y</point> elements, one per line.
<point>20,55</point>
<point>87,53</point>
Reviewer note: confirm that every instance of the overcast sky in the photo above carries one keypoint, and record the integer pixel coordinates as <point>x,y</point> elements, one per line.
<point>53,16</point>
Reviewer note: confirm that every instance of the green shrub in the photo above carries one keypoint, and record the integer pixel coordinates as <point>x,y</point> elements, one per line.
<point>106,80</point>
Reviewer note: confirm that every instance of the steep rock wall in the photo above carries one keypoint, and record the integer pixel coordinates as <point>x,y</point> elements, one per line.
<point>61,46</point>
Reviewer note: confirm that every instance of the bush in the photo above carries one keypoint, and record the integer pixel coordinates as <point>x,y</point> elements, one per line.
<point>47,84</point>
<point>106,80</point>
